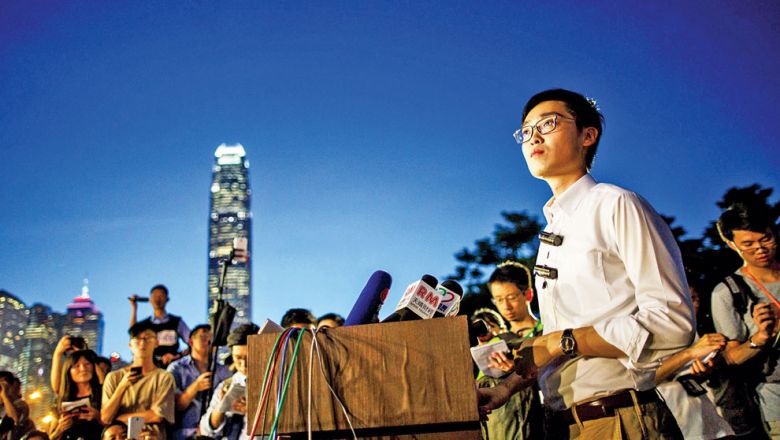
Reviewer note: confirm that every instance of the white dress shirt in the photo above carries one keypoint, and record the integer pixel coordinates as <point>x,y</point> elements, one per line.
<point>620,271</point>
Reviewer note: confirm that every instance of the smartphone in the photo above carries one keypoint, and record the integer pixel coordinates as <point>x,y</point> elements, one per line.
<point>136,370</point>
<point>135,425</point>
<point>709,357</point>
<point>78,342</point>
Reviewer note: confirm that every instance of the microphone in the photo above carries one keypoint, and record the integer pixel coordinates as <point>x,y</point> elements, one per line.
<point>451,293</point>
<point>371,299</point>
<point>420,301</point>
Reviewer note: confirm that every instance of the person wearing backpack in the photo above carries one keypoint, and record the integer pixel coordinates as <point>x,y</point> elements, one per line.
<point>745,308</point>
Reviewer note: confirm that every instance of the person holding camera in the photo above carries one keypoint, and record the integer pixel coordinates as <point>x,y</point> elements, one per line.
<point>15,420</point>
<point>78,400</point>
<point>65,346</point>
<point>141,389</point>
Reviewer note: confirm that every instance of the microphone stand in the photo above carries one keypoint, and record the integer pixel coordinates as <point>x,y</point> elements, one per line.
<point>221,321</point>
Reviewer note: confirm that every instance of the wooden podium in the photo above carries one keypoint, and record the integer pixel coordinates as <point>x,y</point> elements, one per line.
<point>405,379</point>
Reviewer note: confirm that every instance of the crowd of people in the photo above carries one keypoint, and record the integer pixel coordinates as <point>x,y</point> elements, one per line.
<point>612,352</point>
<point>164,388</point>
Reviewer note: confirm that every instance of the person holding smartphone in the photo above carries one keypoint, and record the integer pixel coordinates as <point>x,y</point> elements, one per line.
<point>141,389</point>
<point>79,384</point>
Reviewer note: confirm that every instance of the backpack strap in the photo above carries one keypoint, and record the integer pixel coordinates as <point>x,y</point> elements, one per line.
<point>740,292</point>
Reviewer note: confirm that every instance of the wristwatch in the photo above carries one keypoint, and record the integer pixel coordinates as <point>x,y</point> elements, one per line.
<point>568,344</point>
<point>752,344</point>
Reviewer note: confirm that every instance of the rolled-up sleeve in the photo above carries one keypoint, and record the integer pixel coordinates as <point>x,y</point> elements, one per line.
<point>205,421</point>
<point>663,321</point>
<point>164,398</point>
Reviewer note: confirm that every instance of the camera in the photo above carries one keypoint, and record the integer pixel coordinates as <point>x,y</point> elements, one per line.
<point>78,342</point>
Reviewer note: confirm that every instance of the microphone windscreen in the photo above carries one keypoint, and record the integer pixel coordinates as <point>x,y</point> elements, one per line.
<point>430,280</point>
<point>371,299</point>
<point>453,286</point>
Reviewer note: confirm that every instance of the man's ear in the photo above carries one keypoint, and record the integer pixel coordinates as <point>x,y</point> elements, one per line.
<point>590,136</point>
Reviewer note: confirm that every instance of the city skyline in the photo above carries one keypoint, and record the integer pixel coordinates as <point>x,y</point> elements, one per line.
<point>380,134</point>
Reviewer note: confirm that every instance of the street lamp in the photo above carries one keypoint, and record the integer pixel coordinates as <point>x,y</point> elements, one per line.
<point>35,395</point>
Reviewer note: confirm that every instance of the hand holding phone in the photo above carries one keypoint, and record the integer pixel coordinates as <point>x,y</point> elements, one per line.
<point>135,425</point>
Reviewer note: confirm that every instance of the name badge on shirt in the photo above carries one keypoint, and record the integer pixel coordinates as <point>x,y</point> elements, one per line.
<point>546,272</point>
<point>167,338</point>
<point>550,238</point>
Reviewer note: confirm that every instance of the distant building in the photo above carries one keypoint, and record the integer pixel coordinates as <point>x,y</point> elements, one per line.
<point>40,339</point>
<point>13,322</point>
<point>83,318</point>
<point>230,217</point>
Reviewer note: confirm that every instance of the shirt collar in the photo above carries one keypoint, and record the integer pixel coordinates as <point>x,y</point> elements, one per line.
<point>570,199</point>
<point>162,320</point>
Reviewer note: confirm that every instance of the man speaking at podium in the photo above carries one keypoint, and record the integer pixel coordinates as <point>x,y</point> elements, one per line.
<point>611,287</point>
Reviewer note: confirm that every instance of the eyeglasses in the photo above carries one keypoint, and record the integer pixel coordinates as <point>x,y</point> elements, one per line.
<point>144,339</point>
<point>765,242</point>
<point>543,126</point>
<point>509,298</point>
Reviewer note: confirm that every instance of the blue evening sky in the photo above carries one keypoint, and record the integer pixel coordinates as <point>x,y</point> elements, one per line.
<point>379,133</point>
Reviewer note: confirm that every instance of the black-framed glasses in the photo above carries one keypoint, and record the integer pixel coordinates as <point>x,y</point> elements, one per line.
<point>543,126</point>
<point>767,241</point>
<point>509,298</point>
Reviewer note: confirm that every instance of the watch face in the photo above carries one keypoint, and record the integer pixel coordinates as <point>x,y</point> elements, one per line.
<point>567,345</point>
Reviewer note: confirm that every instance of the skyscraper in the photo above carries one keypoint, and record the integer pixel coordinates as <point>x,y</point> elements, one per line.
<point>13,321</point>
<point>84,319</point>
<point>40,339</point>
<point>230,217</point>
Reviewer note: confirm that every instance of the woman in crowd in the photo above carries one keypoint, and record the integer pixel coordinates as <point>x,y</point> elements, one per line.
<point>79,380</point>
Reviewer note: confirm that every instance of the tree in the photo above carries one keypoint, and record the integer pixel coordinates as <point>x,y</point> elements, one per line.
<point>513,240</point>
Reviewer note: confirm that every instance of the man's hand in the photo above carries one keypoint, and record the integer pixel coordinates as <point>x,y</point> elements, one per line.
<point>501,361</point>
<point>128,379</point>
<point>167,358</point>
<point>707,344</point>
<point>202,383</point>
<point>489,399</point>
<point>764,317</point>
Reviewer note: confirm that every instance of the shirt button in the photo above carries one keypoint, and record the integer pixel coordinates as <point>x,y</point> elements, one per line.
<point>544,284</point>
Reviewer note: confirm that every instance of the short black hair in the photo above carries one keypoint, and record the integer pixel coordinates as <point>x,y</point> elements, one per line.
<point>199,327</point>
<point>585,114</point>
<point>104,360</point>
<point>511,272</point>
<point>114,423</point>
<point>298,316</point>
<point>746,217</point>
<point>240,334</point>
<point>9,377</point>
<point>338,319</point>
<point>140,327</point>
<point>161,287</point>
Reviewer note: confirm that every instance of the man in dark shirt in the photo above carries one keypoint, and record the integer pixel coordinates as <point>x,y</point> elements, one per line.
<point>169,327</point>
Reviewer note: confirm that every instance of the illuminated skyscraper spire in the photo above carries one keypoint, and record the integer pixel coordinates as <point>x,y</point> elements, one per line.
<point>230,217</point>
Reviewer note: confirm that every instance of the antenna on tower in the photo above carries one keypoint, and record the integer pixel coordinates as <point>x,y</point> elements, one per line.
<point>85,288</point>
